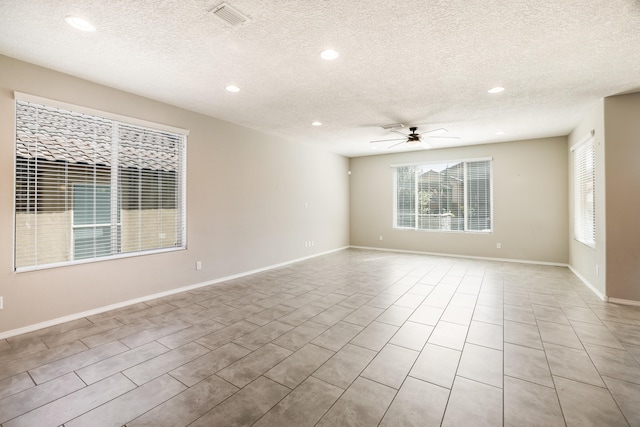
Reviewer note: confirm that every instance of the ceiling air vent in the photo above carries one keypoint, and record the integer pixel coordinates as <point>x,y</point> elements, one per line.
<point>229,15</point>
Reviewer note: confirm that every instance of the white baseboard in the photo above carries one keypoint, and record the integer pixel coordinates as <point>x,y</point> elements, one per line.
<point>518,261</point>
<point>76,316</point>
<point>624,301</point>
<point>588,284</point>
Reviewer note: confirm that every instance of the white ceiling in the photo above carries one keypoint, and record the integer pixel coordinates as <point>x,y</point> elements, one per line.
<point>425,62</point>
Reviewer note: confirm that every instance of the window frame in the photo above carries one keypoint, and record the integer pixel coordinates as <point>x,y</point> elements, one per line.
<point>578,189</point>
<point>417,165</point>
<point>181,136</point>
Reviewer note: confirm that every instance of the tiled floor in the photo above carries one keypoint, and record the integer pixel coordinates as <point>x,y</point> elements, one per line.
<point>357,337</point>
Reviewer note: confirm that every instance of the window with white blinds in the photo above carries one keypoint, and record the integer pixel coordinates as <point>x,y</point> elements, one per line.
<point>92,186</point>
<point>445,196</point>
<point>584,200</point>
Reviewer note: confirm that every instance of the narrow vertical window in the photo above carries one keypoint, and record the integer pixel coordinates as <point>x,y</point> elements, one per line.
<point>584,192</point>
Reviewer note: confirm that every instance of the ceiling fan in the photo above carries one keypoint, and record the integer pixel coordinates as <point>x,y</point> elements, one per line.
<point>414,138</point>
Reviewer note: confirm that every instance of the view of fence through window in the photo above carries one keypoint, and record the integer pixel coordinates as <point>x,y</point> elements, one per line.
<point>90,187</point>
<point>452,196</point>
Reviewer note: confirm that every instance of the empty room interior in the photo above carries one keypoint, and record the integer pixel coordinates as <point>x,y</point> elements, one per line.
<point>319,213</point>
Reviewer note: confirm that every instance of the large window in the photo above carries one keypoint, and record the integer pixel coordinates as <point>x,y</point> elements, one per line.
<point>93,185</point>
<point>584,200</point>
<point>447,196</point>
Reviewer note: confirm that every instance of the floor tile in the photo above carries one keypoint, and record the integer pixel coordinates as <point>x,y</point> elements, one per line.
<point>573,364</point>
<point>522,334</point>
<point>131,404</point>
<point>337,336</point>
<point>75,404</point>
<point>246,406</point>
<point>587,405</point>
<point>626,334</point>
<point>528,404</point>
<point>596,334</point>
<point>204,366</point>
<point>226,335</point>
<point>457,314</point>
<point>395,315</point>
<point>481,364</point>
<point>15,384</point>
<point>555,333</point>
<point>159,365</point>
<point>296,368</point>
<point>427,315</point>
<point>549,314</point>
<point>345,366</point>
<point>34,397</point>
<point>32,361</point>
<point>187,406</point>
<point>450,335</point>
<point>364,315</point>
<point>391,365</point>
<point>473,404</point>
<point>486,334</point>
<point>527,364</point>
<point>302,407</point>
<point>375,336</point>
<point>520,314</point>
<point>250,367</point>
<point>412,335</point>
<point>77,361</point>
<point>261,336</point>
<point>627,396</point>
<point>436,365</point>
<point>418,403</point>
<point>332,315</point>
<point>105,368</point>
<point>301,315</point>
<point>185,336</point>
<point>614,363</point>
<point>410,300</point>
<point>488,314</point>
<point>299,336</point>
<point>363,404</point>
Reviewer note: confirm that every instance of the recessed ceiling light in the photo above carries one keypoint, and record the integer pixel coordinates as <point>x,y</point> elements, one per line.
<point>500,132</point>
<point>316,123</point>
<point>80,23</point>
<point>329,54</point>
<point>232,88</point>
<point>496,89</point>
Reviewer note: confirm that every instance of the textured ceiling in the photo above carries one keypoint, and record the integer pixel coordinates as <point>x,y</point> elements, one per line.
<point>425,62</point>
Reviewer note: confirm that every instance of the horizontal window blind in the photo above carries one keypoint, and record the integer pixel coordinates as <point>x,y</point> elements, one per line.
<point>448,196</point>
<point>89,187</point>
<point>584,192</point>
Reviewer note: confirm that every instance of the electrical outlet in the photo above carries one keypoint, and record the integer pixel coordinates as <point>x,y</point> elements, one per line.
<point>597,270</point>
<point>380,237</point>
<point>1,303</point>
<point>198,265</point>
<point>498,245</point>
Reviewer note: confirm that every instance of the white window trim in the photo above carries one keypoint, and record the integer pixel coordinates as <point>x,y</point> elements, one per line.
<point>588,138</point>
<point>395,168</point>
<point>20,96</point>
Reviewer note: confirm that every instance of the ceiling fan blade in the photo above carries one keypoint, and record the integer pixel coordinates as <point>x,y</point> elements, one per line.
<point>395,145</point>
<point>440,130</point>
<point>387,140</point>
<point>425,145</point>
<point>442,137</point>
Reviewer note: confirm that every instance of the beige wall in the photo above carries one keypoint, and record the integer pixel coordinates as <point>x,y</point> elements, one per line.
<point>246,205</point>
<point>589,262</point>
<point>529,199</point>
<point>622,164</point>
